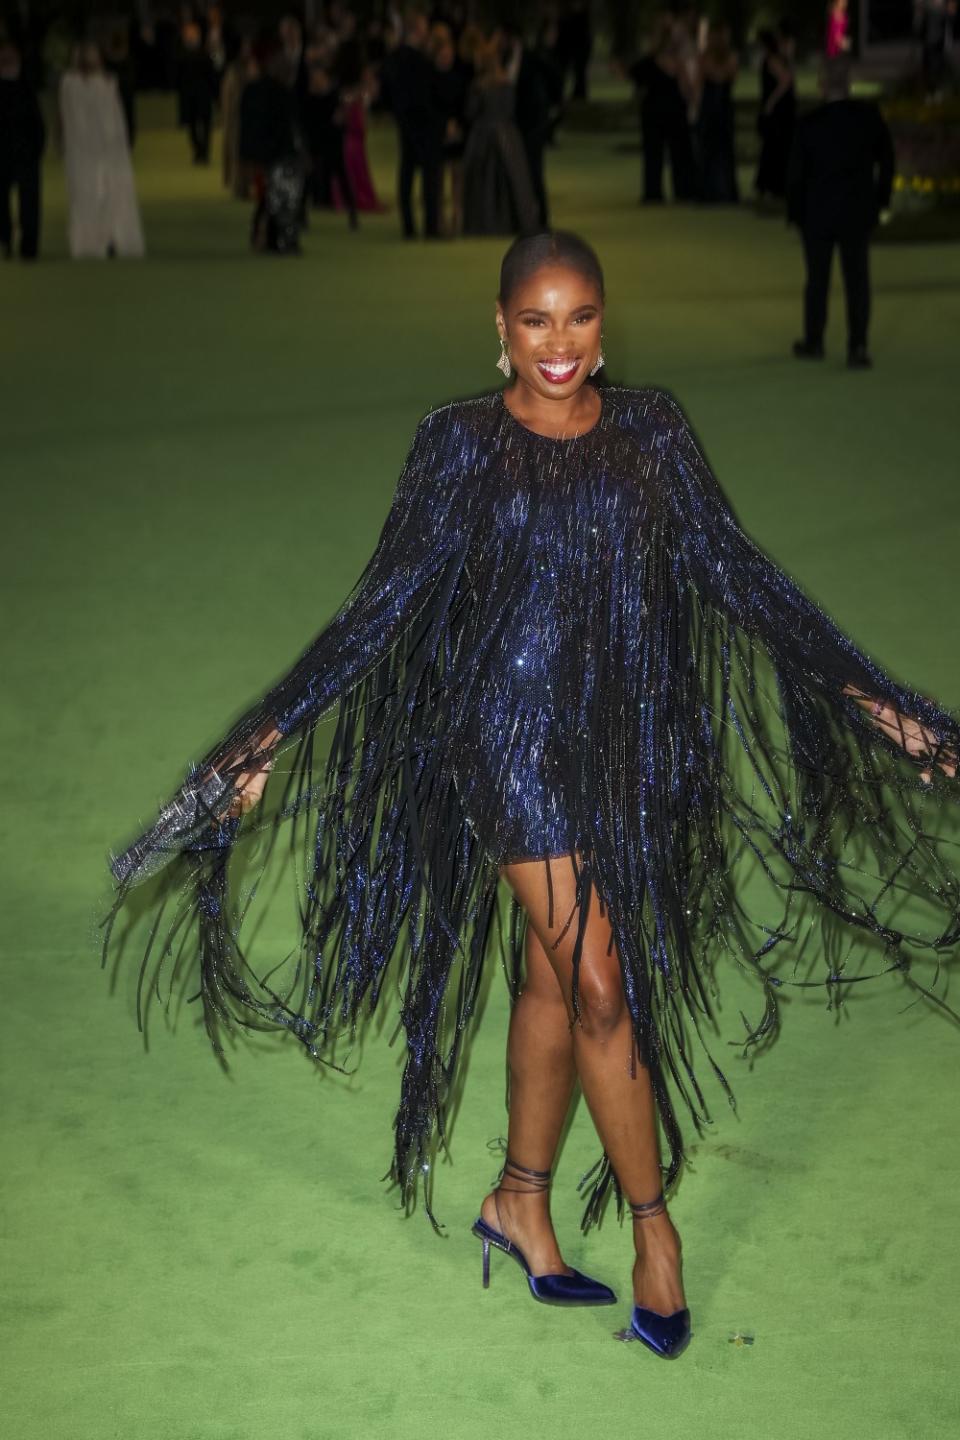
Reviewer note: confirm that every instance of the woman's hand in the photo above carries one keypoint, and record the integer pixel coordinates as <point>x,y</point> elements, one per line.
<point>251,783</point>
<point>908,733</point>
<point>250,787</point>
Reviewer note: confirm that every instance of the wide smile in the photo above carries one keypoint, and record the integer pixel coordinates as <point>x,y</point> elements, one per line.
<point>559,372</point>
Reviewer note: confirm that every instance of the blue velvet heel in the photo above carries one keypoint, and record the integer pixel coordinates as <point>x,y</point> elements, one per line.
<point>575,1289</point>
<point>666,1335</point>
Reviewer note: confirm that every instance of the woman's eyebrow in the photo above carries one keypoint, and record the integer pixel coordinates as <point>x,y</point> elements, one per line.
<point>577,310</point>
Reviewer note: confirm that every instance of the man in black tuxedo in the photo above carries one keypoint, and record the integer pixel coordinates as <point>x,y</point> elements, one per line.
<point>407,84</point>
<point>21,146</point>
<point>839,182</point>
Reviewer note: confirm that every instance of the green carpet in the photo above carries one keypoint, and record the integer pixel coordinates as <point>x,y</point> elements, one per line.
<point>197,453</point>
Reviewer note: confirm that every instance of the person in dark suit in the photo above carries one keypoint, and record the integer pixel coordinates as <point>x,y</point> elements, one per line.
<point>839,181</point>
<point>22,138</point>
<point>197,88</point>
<point>407,83</point>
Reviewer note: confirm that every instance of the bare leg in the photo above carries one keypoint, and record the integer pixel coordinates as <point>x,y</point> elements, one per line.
<point>542,1077</point>
<point>616,1086</point>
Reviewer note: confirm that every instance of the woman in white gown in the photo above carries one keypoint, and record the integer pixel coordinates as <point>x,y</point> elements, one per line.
<point>104,218</point>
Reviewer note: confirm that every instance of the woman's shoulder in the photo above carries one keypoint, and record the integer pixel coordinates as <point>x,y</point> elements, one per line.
<point>643,406</point>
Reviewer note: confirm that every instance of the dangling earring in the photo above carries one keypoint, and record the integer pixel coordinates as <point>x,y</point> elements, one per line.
<point>600,360</point>
<point>504,362</point>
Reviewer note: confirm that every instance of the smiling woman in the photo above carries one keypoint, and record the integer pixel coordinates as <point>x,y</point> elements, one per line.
<point>568,667</point>
<point>549,319</point>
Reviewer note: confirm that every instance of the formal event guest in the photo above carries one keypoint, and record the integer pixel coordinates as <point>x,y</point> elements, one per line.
<point>22,138</point>
<point>271,146</point>
<point>358,86</point>
<point>716,120</point>
<point>837,40</point>
<point>778,106</point>
<point>498,196</point>
<point>664,120</point>
<point>840,180</point>
<point>323,127</point>
<point>407,82</point>
<point>198,86</point>
<point>103,214</point>
<point>452,81</point>
<point>237,73</point>
<point>568,668</point>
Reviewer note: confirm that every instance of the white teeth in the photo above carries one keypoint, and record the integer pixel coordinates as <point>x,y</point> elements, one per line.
<point>558,367</point>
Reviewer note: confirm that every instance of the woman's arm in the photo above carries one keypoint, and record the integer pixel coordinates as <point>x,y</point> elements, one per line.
<point>420,535</point>
<point>730,571</point>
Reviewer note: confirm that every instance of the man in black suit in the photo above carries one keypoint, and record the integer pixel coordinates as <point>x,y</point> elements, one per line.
<point>839,182</point>
<point>21,146</point>
<point>407,83</point>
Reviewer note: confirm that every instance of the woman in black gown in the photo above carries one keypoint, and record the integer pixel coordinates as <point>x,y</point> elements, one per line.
<point>565,666</point>
<point>778,110</point>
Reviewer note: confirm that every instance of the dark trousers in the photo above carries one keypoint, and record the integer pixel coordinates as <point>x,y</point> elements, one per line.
<point>420,154</point>
<point>199,124</point>
<point>854,247</point>
<point>25,178</point>
<point>534,146</point>
<point>329,165</point>
<point>664,134</point>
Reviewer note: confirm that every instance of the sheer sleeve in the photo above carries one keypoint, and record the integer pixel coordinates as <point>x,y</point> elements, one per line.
<point>420,533</point>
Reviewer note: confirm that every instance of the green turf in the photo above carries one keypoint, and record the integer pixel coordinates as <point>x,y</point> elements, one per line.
<point>197,452</point>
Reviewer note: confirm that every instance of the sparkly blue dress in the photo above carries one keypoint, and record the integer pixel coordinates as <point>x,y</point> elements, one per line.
<point>560,647</point>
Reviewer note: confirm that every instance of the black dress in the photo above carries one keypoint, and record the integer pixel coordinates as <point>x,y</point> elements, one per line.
<point>560,646</point>
<point>776,135</point>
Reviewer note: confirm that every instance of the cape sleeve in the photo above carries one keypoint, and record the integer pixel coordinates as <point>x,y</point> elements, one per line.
<point>418,536</point>
<point>730,571</point>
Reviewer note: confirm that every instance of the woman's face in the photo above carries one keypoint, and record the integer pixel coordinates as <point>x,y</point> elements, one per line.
<point>551,324</point>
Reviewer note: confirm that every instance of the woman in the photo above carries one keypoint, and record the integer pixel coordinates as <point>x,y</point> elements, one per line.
<point>716,121</point>
<point>498,196</point>
<point>664,124</point>
<point>565,666</point>
<point>103,214</point>
<point>837,40</point>
<point>778,107</point>
<point>452,80</point>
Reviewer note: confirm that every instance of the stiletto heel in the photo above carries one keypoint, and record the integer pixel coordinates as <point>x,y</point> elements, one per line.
<point>665,1335</point>
<point>575,1289</point>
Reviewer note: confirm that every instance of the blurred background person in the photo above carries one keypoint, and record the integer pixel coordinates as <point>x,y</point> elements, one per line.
<point>235,77</point>
<point>575,45</point>
<point>323,122</point>
<point>103,215</point>
<point>778,108</point>
<point>117,61</point>
<point>933,20</point>
<point>196,86</point>
<point>840,180</point>
<point>716,119</point>
<point>537,102</point>
<point>358,86</point>
<point>664,120</point>
<point>452,81</point>
<point>271,146</point>
<point>837,40</point>
<point>498,197</point>
<point>407,82</point>
<point>22,138</point>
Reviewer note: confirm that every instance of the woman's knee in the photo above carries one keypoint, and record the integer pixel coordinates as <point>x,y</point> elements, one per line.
<point>601,1003</point>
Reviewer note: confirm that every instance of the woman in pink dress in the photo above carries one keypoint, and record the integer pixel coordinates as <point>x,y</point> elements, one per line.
<point>838,29</point>
<point>355,96</point>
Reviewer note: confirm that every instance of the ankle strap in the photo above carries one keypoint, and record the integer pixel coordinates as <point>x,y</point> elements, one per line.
<point>530,1180</point>
<point>645,1208</point>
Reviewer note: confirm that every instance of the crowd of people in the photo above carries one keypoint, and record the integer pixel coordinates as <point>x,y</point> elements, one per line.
<point>476,111</point>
